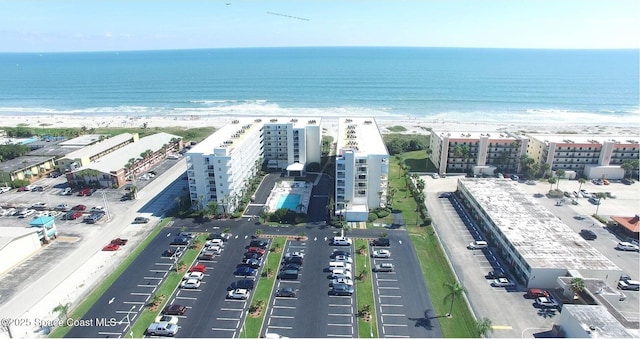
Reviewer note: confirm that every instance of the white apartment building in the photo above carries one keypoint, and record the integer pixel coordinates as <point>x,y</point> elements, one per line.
<point>362,168</point>
<point>593,157</point>
<point>476,153</point>
<point>218,168</point>
<point>290,143</point>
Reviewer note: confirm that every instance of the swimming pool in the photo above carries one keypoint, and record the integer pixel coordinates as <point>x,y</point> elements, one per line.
<point>290,201</point>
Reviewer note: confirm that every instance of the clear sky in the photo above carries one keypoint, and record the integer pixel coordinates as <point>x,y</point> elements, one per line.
<point>96,25</point>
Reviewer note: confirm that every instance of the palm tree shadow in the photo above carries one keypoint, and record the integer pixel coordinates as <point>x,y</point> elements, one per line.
<point>425,321</point>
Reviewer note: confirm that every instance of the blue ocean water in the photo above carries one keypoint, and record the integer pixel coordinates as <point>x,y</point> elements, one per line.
<point>433,83</point>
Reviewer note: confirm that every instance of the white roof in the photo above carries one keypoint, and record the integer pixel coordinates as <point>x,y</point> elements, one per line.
<point>584,139</point>
<point>118,158</point>
<point>99,147</point>
<point>9,234</point>
<point>228,137</point>
<point>361,135</point>
<point>296,166</point>
<point>542,239</point>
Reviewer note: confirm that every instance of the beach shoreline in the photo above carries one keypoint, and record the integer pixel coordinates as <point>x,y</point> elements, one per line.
<point>412,125</point>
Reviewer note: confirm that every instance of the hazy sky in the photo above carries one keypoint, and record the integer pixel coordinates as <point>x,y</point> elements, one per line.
<point>94,25</point>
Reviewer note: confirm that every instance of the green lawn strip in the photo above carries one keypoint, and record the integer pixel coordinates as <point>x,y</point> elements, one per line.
<point>166,289</point>
<point>417,161</point>
<point>437,273</point>
<point>264,289</point>
<point>364,291</point>
<point>89,301</point>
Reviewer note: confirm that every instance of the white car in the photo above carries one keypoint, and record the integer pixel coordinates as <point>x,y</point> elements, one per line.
<point>294,255</point>
<point>627,246</point>
<point>39,205</point>
<point>25,213</point>
<point>342,241</point>
<point>381,254</point>
<point>435,175</point>
<point>340,273</point>
<point>214,242</point>
<point>502,282</point>
<point>546,302</point>
<point>5,189</point>
<point>239,293</point>
<point>344,281</point>
<point>214,249</point>
<point>166,319</point>
<point>96,209</point>
<point>193,275</point>
<point>9,211</point>
<point>343,258</point>
<point>190,283</point>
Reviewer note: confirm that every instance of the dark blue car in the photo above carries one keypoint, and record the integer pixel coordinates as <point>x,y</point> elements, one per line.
<point>244,271</point>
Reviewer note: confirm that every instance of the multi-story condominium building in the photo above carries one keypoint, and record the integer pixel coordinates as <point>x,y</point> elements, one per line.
<point>291,142</point>
<point>218,168</point>
<point>362,168</point>
<point>95,151</point>
<point>477,153</point>
<point>593,157</point>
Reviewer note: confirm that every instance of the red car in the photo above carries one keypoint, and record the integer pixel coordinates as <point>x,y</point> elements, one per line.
<point>198,268</point>
<point>84,191</point>
<point>111,247</point>
<point>119,241</point>
<point>79,208</point>
<point>256,250</point>
<point>73,215</point>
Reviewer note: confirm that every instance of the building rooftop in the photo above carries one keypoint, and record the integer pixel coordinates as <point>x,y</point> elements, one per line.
<point>360,134</point>
<point>99,147</point>
<point>584,139</point>
<point>297,122</point>
<point>8,234</point>
<point>81,141</point>
<point>597,321</point>
<point>228,137</point>
<point>542,239</point>
<point>23,162</point>
<point>118,158</point>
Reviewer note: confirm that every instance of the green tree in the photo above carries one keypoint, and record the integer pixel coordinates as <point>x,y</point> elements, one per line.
<point>559,174</point>
<point>62,310</point>
<point>551,181</point>
<point>213,208</point>
<point>544,168</point>
<point>484,326</point>
<point>577,285</point>
<point>455,290</point>
<point>599,196</point>
<point>581,181</point>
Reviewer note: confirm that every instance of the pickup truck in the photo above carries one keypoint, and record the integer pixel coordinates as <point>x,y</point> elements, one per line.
<point>163,329</point>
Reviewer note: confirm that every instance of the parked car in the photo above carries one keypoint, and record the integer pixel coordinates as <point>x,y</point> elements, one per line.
<point>250,255</point>
<point>198,268</point>
<point>588,234</point>
<point>341,273</point>
<point>97,209</point>
<point>243,283</point>
<point>173,251</point>
<point>291,267</point>
<point>162,329</point>
<point>72,215</point>
<point>187,235</point>
<point>381,254</point>
<point>381,242</point>
<point>193,275</point>
<point>25,213</point>
<point>174,309</point>
<point>496,274</point>
<point>207,255</point>
<point>293,260</point>
<point>627,181</point>
<point>289,274</point>
<point>111,247</point>
<point>344,281</point>
<point>214,242</point>
<point>337,253</point>
<point>245,271</point>
<point>39,205</point>
<point>343,258</point>
<point>221,236</point>
<point>627,246</point>
<point>547,302</point>
<point>239,293</point>
<point>166,319</point>
<point>502,282</point>
<point>253,263</point>
<point>120,241</point>
<point>629,285</point>
<point>180,241</point>
<point>84,192</point>
<point>287,292</point>
<point>536,292</point>
<point>62,207</point>
<point>341,289</point>
<point>94,218</point>
<point>141,220</point>
<point>258,250</point>
<point>594,200</point>
<point>383,267</point>
<point>215,249</point>
<point>294,255</point>
<point>190,283</point>
<point>342,241</point>
<point>4,189</point>
<point>79,207</point>
<point>478,245</point>
<point>258,243</point>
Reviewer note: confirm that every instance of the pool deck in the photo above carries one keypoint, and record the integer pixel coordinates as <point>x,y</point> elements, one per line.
<point>283,188</point>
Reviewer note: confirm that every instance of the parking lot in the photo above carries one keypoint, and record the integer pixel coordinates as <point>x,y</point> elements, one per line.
<point>457,231</point>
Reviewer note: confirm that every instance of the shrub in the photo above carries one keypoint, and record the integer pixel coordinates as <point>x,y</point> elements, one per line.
<point>383,213</point>
<point>236,215</point>
<point>372,217</point>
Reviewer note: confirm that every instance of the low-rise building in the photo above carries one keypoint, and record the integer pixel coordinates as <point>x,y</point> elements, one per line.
<point>16,245</point>
<point>29,168</point>
<point>96,148</point>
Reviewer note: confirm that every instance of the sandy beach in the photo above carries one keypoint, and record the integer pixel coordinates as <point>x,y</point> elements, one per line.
<point>412,125</point>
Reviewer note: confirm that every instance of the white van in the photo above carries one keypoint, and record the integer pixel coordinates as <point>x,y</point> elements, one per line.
<point>339,265</point>
<point>478,245</point>
<point>629,285</point>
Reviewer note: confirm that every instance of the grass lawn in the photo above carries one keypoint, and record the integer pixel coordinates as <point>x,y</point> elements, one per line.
<point>83,308</point>
<point>417,161</point>
<point>166,289</point>
<point>263,290</point>
<point>364,292</point>
<point>433,262</point>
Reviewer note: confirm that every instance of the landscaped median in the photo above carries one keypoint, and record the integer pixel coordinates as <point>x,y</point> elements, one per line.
<point>85,306</point>
<point>165,291</point>
<point>367,325</point>
<point>263,290</point>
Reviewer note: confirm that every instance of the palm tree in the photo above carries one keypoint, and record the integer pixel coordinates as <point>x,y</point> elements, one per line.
<point>560,174</point>
<point>551,181</point>
<point>581,181</point>
<point>577,285</point>
<point>213,208</point>
<point>455,290</point>
<point>62,310</point>
<point>484,327</point>
<point>544,168</point>
<point>599,196</point>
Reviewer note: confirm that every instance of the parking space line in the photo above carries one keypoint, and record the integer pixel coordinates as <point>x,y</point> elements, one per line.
<point>338,305</point>
<point>110,333</point>
<point>388,288</point>
<point>233,319</point>
<point>282,316</point>
<point>389,296</point>
<point>137,293</point>
<point>222,329</point>
<point>186,298</point>
<point>388,279</point>
<point>152,286</point>
<point>158,271</point>
<point>232,309</point>
<point>395,325</point>
<point>134,302</point>
<point>343,325</point>
<point>338,314</point>
<point>289,307</point>
<point>123,312</point>
<point>340,335</point>
<point>153,278</point>
<point>391,305</point>
<point>397,336</point>
<point>282,327</point>
<point>393,315</point>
